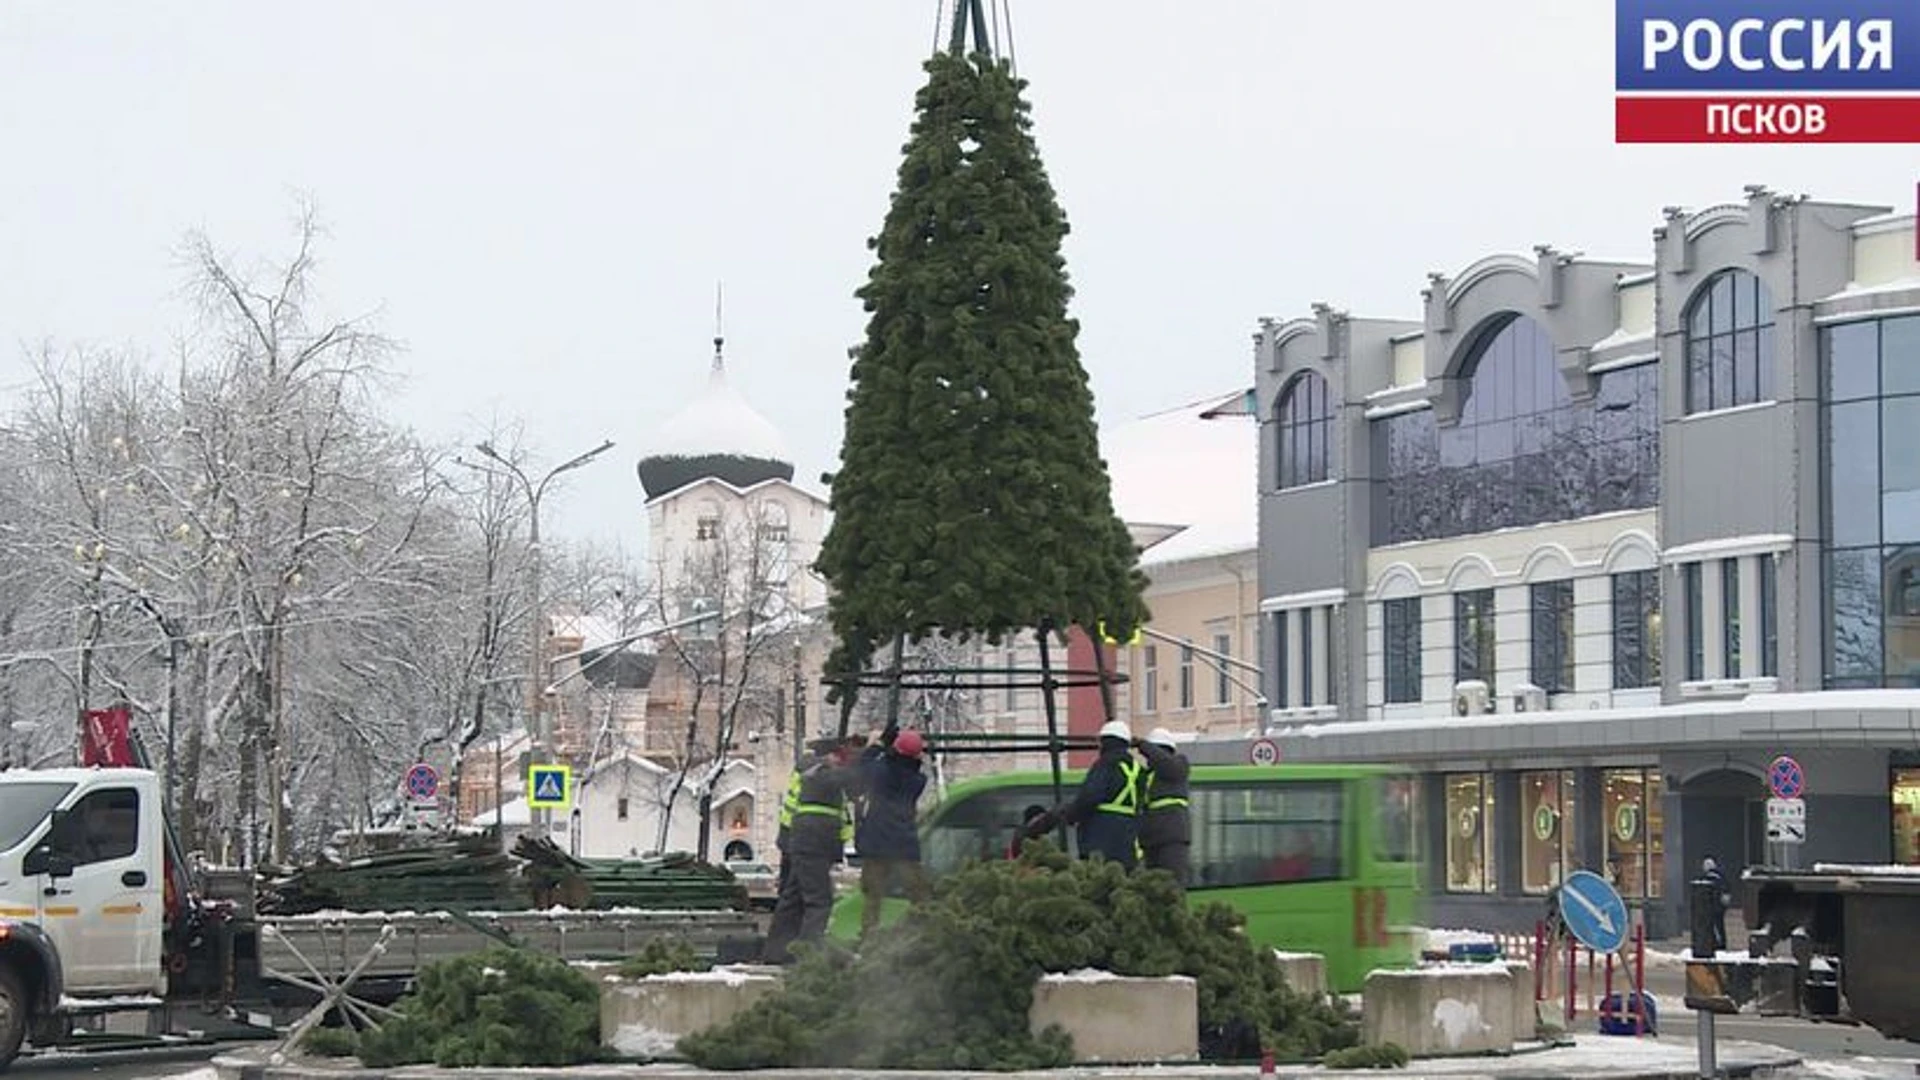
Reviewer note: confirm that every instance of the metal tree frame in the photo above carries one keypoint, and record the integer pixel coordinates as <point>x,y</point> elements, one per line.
<point>1046,678</point>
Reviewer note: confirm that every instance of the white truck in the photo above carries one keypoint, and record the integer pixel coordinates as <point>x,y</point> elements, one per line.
<point>97,916</point>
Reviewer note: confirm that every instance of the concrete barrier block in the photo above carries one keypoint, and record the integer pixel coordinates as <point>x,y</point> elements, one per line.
<point>1305,972</point>
<point>1438,1011</point>
<point>1114,1019</point>
<point>647,1017</point>
<point>1525,1018</point>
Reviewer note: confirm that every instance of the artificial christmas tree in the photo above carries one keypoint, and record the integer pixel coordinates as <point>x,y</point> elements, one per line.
<point>971,497</point>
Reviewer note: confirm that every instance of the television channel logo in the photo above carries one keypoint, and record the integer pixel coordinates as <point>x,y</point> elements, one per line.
<point>1766,71</point>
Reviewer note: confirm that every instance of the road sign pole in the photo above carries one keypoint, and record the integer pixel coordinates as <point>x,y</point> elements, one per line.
<point>1703,1025</point>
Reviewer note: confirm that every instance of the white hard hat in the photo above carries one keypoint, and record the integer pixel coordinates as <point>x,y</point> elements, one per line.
<point>1116,729</point>
<point>1161,737</point>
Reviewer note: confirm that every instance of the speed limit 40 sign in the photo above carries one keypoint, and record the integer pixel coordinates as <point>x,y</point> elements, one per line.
<point>1263,752</point>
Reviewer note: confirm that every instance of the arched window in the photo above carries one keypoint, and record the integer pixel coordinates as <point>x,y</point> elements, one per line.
<point>1523,452</point>
<point>1729,325</point>
<point>1305,422</point>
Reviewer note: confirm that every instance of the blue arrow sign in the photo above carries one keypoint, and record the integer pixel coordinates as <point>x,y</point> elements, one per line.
<point>1593,911</point>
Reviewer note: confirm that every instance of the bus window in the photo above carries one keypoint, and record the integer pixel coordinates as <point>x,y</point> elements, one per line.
<point>1256,834</point>
<point>1399,803</point>
<point>978,827</point>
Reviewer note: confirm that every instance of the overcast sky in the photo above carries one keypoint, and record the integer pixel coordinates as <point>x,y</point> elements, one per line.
<point>539,198</point>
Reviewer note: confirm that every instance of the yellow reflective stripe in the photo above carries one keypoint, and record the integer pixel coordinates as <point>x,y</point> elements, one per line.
<point>63,911</point>
<point>17,913</point>
<point>122,909</point>
<point>1166,801</point>
<point>814,808</point>
<point>1128,801</point>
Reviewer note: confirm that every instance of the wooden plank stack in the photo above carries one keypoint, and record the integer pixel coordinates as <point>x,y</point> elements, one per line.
<point>676,881</point>
<point>471,874</point>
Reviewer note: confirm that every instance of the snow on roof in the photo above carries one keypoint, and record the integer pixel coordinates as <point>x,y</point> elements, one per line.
<point>592,630</point>
<point>1176,468</point>
<point>516,814</point>
<point>719,422</point>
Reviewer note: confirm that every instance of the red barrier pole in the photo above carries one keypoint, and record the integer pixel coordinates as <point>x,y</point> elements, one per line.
<point>1573,978</point>
<point>1639,979</point>
<point>1539,962</point>
<point>1592,962</point>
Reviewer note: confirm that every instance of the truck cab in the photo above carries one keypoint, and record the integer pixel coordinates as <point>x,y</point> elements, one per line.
<point>82,892</point>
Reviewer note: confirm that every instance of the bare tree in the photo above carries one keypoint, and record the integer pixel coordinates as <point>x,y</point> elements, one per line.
<point>727,672</point>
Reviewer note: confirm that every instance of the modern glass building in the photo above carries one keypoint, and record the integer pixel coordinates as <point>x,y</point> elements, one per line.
<point>1588,543</point>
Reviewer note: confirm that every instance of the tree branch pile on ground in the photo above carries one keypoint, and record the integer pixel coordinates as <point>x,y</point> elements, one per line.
<point>950,986</point>
<point>500,1008</point>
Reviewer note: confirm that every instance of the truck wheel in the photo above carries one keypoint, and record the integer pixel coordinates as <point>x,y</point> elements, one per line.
<point>13,1016</point>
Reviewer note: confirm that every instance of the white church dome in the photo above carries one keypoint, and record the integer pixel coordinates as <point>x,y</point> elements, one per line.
<point>717,435</point>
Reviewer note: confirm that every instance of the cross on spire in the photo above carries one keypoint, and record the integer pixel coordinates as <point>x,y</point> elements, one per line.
<point>985,17</point>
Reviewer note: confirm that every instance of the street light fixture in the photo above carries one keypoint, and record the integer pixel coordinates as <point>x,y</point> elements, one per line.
<point>539,721</point>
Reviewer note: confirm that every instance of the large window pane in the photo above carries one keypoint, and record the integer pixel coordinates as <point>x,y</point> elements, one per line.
<point>1729,346</point>
<point>1401,619</point>
<point>1900,469</point>
<point>1522,452</point>
<point>1906,816</point>
<point>1635,842</point>
<point>1257,834</point>
<point>1696,620</point>
<point>1730,622</point>
<point>1901,578</point>
<point>1305,423</point>
<point>1636,629</point>
<point>1552,642</point>
<point>1853,474</point>
<point>1400,819</point>
<point>1853,613</point>
<point>1470,809</point>
<point>1473,637</point>
<point>1853,360</point>
<point>1547,830</point>
<point>1900,356</point>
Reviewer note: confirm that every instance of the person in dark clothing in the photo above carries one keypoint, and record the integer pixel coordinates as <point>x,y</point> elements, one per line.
<point>1722,900</point>
<point>1166,829</point>
<point>888,837</point>
<point>815,844</point>
<point>1020,836</point>
<point>1106,809</point>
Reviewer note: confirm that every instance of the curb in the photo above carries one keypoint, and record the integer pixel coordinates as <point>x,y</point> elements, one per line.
<point>1737,1060</point>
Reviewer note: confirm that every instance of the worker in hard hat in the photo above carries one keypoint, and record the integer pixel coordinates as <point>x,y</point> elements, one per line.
<point>888,838</point>
<point>1106,809</point>
<point>816,817</point>
<point>1166,830</point>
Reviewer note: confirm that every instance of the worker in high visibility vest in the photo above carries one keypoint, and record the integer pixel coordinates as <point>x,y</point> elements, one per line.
<point>817,834</point>
<point>1107,807</point>
<point>1166,829</point>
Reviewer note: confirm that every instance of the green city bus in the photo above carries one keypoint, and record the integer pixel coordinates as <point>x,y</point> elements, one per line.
<point>1319,858</point>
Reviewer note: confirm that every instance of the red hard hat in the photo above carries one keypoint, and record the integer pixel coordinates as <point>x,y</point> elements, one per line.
<point>909,743</point>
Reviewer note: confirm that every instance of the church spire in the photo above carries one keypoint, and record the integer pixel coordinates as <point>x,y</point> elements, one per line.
<point>719,331</point>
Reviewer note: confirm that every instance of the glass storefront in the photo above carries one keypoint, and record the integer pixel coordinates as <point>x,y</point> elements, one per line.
<point>1906,816</point>
<point>1548,836</point>
<point>1872,461</point>
<point>1470,826</point>
<point>1635,841</point>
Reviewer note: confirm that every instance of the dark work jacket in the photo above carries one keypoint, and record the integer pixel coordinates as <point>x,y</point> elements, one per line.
<point>1167,773</point>
<point>817,835</point>
<point>892,784</point>
<point>1104,831</point>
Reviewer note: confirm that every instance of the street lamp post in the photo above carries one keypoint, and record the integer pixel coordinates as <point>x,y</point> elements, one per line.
<point>539,721</point>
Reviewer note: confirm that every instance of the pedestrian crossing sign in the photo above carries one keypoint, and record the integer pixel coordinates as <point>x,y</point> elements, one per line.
<point>549,787</point>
